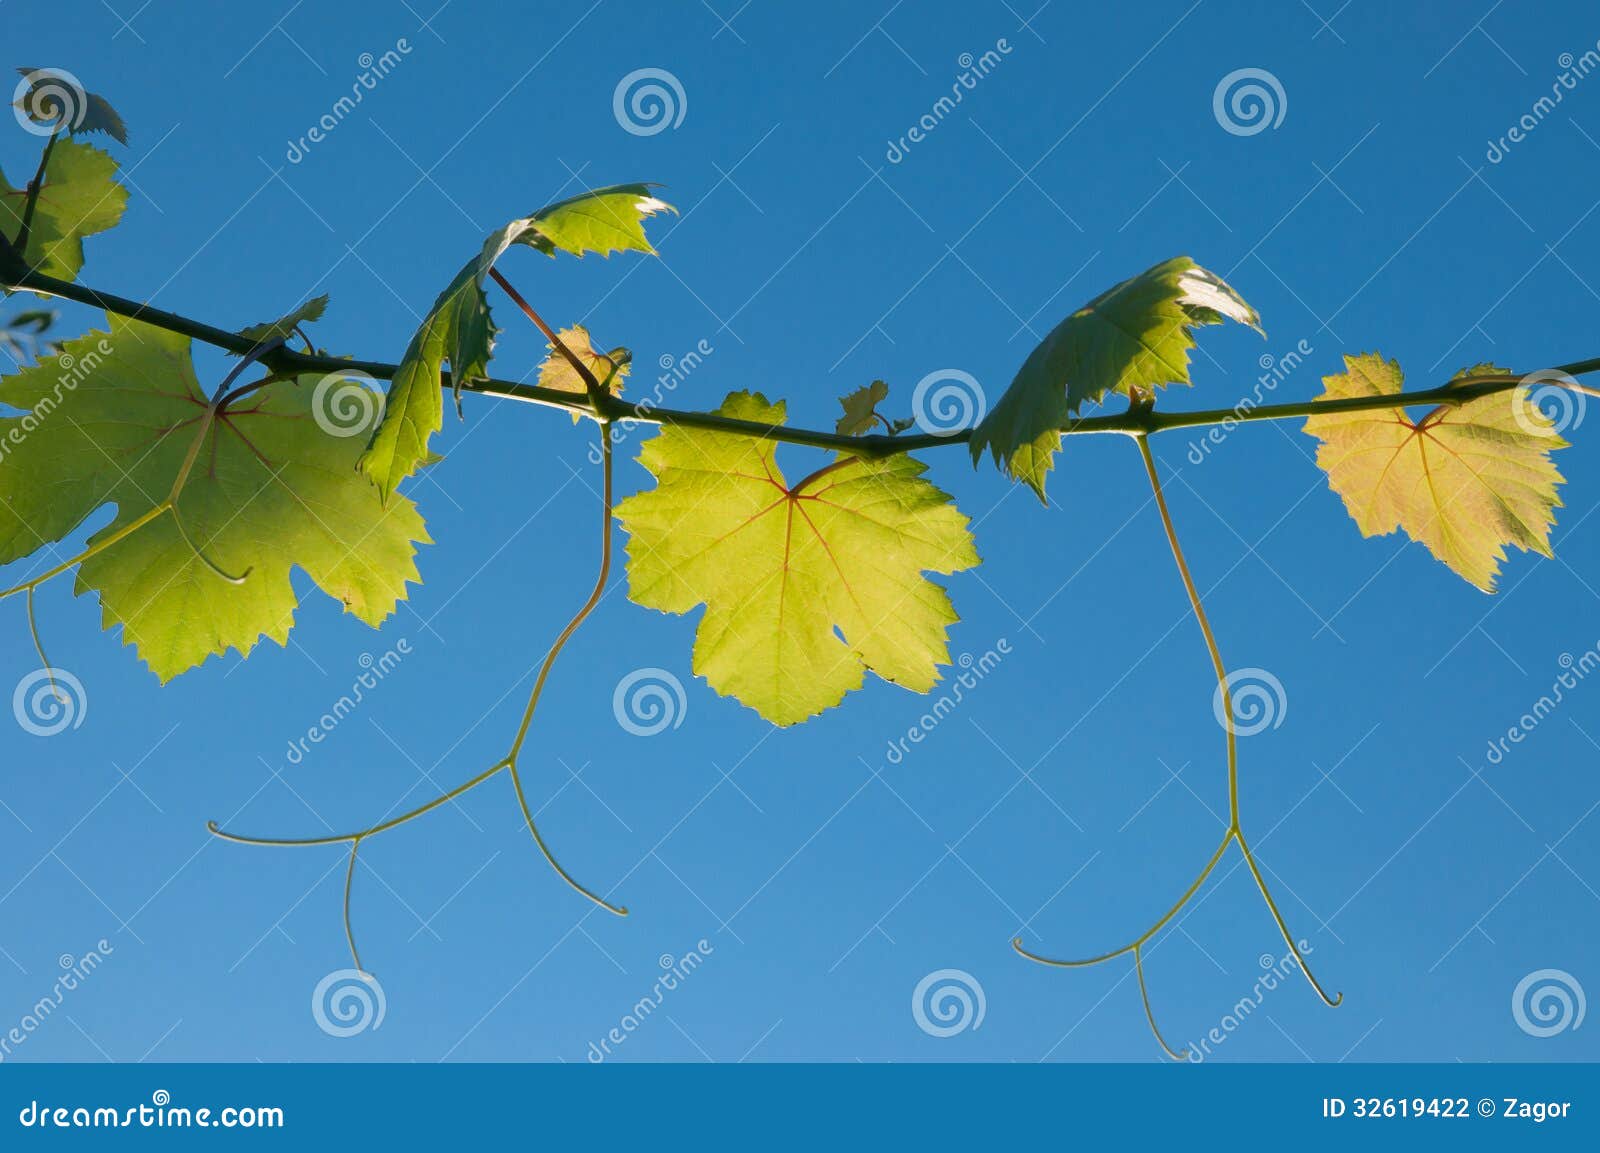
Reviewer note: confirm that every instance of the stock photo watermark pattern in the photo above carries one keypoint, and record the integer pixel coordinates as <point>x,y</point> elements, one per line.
<point>374,669</point>
<point>348,1002</point>
<point>1547,1002</point>
<point>1248,101</point>
<point>374,70</point>
<point>648,101</point>
<point>347,404</point>
<point>948,401</point>
<point>947,1002</point>
<point>1258,702</point>
<point>1275,969</point>
<point>49,701</point>
<point>675,970</point>
<point>920,185</point>
<point>649,701</point>
<point>75,970</point>
<point>973,70</point>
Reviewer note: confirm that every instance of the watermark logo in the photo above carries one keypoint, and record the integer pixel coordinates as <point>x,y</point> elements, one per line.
<point>1547,1002</point>
<point>1554,396</point>
<point>973,69</point>
<point>74,971</point>
<point>1248,101</point>
<point>347,404</point>
<point>1274,971</point>
<point>74,370</point>
<point>373,70</point>
<point>1573,69</point>
<point>1274,371</point>
<point>373,671</point>
<point>674,371</point>
<point>1259,702</point>
<point>947,1002</point>
<point>948,401</point>
<point>48,100</point>
<point>674,972</point>
<point>958,685</point>
<point>1573,672</point>
<point>649,701</point>
<point>347,1002</point>
<point>648,101</point>
<point>49,701</point>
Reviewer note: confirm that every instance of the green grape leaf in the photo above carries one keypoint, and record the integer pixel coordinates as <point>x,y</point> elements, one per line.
<point>284,326</point>
<point>602,220</point>
<point>609,368</point>
<point>1135,335</point>
<point>53,95</point>
<point>860,409</point>
<point>806,587</point>
<point>1464,481</point>
<point>78,198</point>
<point>458,327</point>
<point>111,419</point>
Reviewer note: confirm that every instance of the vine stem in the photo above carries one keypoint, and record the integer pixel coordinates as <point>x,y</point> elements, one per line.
<point>591,384</point>
<point>13,274</point>
<point>507,763</point>
<point>1234,834</point>
<point>33,192</point>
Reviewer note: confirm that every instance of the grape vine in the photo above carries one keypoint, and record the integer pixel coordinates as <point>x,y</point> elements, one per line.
<point>804,586</point>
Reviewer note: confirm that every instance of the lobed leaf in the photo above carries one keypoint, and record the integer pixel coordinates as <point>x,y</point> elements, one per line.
<point>861,409</point>
<point>806,587</point>
<point>609,368</point>
<point>53,95</point>
<point>1464,481</point>
<point>1135,335</point>
<point>112,418</point>
<point>284,326</point>
<point>77,198</point>
<point>458,328</point>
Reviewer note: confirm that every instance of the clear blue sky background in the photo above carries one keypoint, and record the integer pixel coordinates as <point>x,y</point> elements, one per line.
<point>828,881</point>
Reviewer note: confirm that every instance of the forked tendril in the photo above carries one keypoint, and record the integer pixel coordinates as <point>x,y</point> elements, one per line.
<point>1234,833</point>
<point>166,505</point>
<point>507,763</point>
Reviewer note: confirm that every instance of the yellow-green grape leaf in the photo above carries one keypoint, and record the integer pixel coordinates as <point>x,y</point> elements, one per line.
<point>861,409</point>
<point>1464,481</point>
<point>609,368</point>
<point>805,587</point>
<point>78,198</point>
<point>1135,335</point>
<point>284,326</point>
<point>602,220</point>
<point>109,421</point>
<point>458,328</point>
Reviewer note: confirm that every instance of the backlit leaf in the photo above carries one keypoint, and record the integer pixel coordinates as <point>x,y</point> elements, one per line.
<point>805,587</point>
<point>78,198</point>
<point>860,409</point>
<point>284,326</point>
<point>110,420</point>
<point>1135,335</point>
<point>1464,480</point>
<point>52,95</point>
<point>458,328</point>
<point>609,368</point>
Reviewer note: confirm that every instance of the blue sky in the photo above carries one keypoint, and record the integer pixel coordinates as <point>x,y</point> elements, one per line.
<point>1076,789</point>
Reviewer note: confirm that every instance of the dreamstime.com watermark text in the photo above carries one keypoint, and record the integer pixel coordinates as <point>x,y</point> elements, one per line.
<point>160,1113</point>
